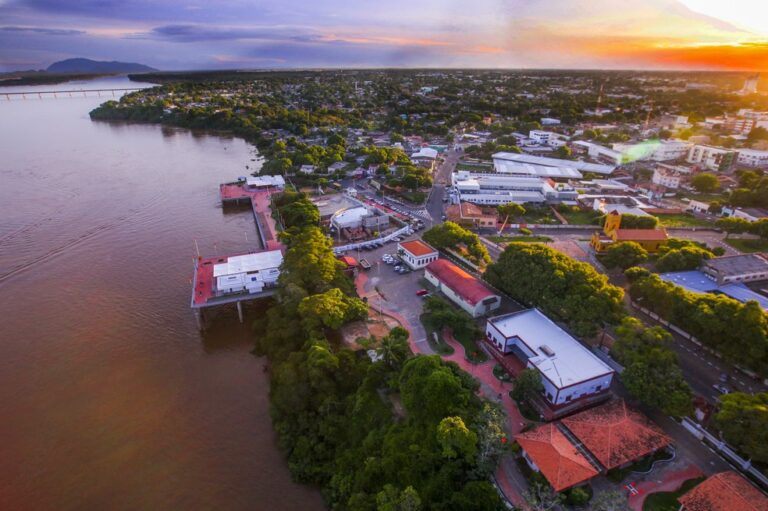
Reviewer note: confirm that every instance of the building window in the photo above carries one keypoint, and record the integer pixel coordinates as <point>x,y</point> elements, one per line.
<point>598,388</point>
<point>550,397</point>
<point>568,398</point>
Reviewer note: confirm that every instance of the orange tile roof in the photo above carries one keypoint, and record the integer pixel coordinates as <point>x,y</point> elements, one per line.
<point>726,491</point>
<point>615,433</point>
<point>417,247</point>
<point>459,281</point>
<point>348,260</point>
<point>641,234</point>
<point>557,458</point>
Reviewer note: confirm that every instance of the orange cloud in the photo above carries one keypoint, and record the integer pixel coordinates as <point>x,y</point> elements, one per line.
<point>742,56</point>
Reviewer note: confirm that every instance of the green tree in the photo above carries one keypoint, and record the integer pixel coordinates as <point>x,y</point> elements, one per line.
<point>561,287</point>
<point>431,390</point>
<point>456,440</point>
<point>510,210</point>
<point>450,235</point>
<point>624,255</point>
<point>732,225</point>
<point>706,182</point>
<point>681,259</point>
<point>542,498</point>
<point>392,499</point>
<point>394,349</point>
<point>651,372</point>
<point>743,419</point>
<point>527,385</point>
<point>330,310</point>
<point>564,152</point>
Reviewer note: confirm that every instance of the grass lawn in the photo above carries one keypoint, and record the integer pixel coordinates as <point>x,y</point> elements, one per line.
<point>667,501</point>
<point>472,351</point>
<point>683,220</point>
<point>580,217</point>
<point>520,239</point>
<point>440,346</point>
<point>748,245</point>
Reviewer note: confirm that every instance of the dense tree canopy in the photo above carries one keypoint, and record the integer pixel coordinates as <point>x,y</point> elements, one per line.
<point>706,182</point>
<point>743,419</point>
<point>651,372</point>
<point>739,331</point>
<point>449,235</point>
<point>563,288</point>
<point>624,255</point>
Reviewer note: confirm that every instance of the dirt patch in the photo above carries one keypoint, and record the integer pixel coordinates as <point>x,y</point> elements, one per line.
<point>376,326</point>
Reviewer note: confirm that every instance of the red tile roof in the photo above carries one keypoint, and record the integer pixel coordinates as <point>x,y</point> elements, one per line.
<point>726,491</point>
<point>615,433</point>
<point>460,282</point>
<point>557,458</point>
<point>417,247</point>
<point>641,234</point>
<point>350,261</point>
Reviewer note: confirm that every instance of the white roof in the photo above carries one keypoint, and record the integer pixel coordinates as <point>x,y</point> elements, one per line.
<point>351,215</point>
<point>555,162</point>
<point>425,152</point>
<point>571,362</point>
<point>265,181</point>
<point>249,263</point>
<point>529,169</point>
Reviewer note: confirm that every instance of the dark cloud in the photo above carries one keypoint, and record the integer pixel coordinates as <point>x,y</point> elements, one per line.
<point>195,33</point>
<point>42,30</point>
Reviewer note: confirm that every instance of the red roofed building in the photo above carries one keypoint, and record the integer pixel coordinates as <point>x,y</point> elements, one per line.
<point>547,450</point>
<point>416,253</point>
<point>649,239</point>
<point>616,434</point>
<point>726,491</point>
<point>462,288</point>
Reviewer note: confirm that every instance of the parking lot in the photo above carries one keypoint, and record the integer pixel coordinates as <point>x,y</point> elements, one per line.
<point>390,291</point>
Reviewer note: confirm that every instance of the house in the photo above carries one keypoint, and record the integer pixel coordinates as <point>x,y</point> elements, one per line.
<point>598,152</point>
<point>615,434</point>
<point>336,167</point>
<point>548,138</point>
<point>547,450</point>
<point>549,121</point>
<point>307,169</point>
<point>698,206</point>
<point>649,239</point>
<point>726,491</point>
<point>569,370</point>
<point>265,182</point>
<point>667,176</point>
<point>249,273</point>
<point>416,254</point>
<point>461,288</point>
<point>577,448</point>
<point>470,215</point>
<point>736,268</point>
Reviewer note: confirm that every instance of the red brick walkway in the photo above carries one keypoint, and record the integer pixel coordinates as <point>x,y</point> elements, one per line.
<point>671,482</point>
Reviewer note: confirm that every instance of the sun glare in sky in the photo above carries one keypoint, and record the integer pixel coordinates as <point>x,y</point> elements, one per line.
<point>751,15</point>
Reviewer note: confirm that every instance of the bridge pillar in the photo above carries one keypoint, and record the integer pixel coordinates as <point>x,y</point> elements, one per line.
<point>240,311</point>
<point>200,319</point>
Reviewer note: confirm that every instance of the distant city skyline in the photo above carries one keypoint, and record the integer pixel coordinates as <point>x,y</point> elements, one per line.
<point>194,34</point>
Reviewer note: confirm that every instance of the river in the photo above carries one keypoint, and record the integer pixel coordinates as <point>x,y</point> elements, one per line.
<point>110,397</point>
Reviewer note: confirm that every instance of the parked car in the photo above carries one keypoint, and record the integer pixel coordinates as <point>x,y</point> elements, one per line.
<point>724,377</point>
<point>722,389</point>
<point>421,292</point>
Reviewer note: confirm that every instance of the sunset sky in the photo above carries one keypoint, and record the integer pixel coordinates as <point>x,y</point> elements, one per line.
<point>200,34</point>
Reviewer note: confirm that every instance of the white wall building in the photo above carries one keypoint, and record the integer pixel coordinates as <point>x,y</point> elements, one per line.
<point>249,273</point>
<point>495,189</point>
<point>549,138</point>
<point>712,158</point>
<point>265,181</point>
<point>598,152</point>
<point>557,163</point>
<point>417,254</point>
<point>655,150</point>
<point>569,370</point>
<point>667,176</point>
<point>753,158</point>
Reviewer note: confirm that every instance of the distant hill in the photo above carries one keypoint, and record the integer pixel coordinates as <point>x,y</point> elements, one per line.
<point>95,66</point>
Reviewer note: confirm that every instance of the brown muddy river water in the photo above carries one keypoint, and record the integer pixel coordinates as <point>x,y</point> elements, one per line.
<point>110,397</point>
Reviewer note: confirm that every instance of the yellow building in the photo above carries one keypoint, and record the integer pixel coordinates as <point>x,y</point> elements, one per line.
<point>649,239</point>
